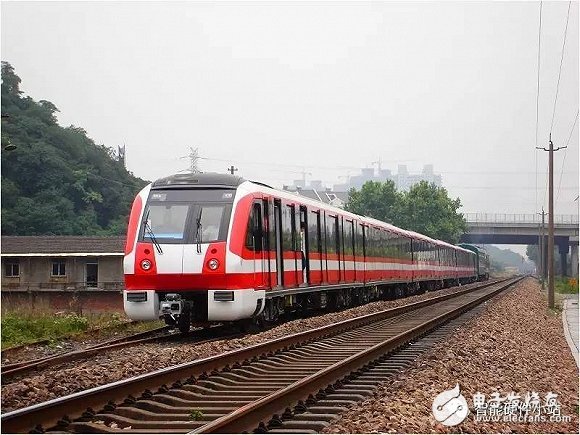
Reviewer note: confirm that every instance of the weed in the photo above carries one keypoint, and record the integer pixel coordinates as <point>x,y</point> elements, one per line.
<point>565,285</point>
<point>18,328</point>
<point>196,414</point>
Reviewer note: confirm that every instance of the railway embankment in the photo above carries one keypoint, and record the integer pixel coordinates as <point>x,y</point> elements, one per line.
<point>515,347</point>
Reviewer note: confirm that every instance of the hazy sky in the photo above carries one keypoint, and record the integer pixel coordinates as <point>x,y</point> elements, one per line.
<point>277,88</point>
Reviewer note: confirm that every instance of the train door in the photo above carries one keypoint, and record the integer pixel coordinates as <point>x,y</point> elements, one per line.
<point>361,254</point>
<point>341,249</point>
<point>303,242</point>
<point>266,224</point>
<point>333,266</point>
<point>276,238</point>
<point>349,258</point>
<point>289,249</point>
<point>256,242</point>
<point>314,245</point>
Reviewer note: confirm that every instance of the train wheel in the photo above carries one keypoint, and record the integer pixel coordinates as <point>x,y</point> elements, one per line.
<point>184,323</point>
<point>270,314</point>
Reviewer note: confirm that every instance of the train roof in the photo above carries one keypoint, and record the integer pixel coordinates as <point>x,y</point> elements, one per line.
<point>368,220</point>
<point>473,248</point>
<point>215,180</point>
<point>208,179</point>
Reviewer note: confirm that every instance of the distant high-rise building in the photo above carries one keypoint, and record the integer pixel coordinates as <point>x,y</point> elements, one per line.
<point>403,179</point>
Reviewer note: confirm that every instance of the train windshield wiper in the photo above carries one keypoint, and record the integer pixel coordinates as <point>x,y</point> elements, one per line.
<point>151,234</point>
<point>198,231</point>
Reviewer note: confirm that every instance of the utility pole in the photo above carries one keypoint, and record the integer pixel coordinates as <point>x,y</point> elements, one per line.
<point>541,251</point>
<point>232,169</point>
<point>551,151</point>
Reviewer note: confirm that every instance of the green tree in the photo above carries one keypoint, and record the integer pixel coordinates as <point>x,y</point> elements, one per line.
<point>57,180</point>
<point>377,200</point>
<point>532,252</point>
<point>427,209</point>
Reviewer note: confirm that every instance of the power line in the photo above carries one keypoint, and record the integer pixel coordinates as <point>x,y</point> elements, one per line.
<point>561,61</point>
<point>538,96</point>
<point>565,153</point>
<point>334,168</point>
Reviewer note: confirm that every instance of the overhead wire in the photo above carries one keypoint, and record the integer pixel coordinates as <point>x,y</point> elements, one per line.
<point>560,70</point>
<point>565,153</point>
<point>538,98</point>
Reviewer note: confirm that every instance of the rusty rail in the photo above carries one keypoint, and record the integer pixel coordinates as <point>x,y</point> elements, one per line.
<point>249,417</point>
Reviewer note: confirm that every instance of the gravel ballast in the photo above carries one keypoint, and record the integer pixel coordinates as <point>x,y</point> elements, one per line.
<point>120,364</point>
<point>516,344</point>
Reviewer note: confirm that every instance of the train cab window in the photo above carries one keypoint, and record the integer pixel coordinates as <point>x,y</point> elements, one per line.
<point>210,219</point>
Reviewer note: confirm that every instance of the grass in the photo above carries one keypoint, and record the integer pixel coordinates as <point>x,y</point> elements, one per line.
<point>21,327</point>
<point>564,285</point>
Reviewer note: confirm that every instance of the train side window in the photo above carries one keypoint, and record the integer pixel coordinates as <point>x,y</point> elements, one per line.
<point>375,242</point>
<point>348,238</point>
<point>332,236</point>
<point>287,228</point>
<point>360,240</point>
<point>314,232</point>
<point>273,229</point>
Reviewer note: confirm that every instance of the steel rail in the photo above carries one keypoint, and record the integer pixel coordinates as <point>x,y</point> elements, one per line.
<point>131,337</point>
<point>19,368</point>
<point>73,406</point>
<point>248,417</point>
<point>16,369</point>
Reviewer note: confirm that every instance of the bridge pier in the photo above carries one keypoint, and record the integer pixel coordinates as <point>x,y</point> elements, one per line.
<point>563,249</point>
<point>574,261</point>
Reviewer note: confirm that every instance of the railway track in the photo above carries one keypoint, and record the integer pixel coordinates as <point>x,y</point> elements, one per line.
<point>14,370</point>
<point>265,387</point>
<point>161,334</point>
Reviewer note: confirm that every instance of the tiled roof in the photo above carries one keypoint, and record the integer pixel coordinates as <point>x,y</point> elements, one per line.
<point>61,244</point>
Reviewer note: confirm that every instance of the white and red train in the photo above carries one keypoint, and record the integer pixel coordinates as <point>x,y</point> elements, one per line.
<point>214,248</point>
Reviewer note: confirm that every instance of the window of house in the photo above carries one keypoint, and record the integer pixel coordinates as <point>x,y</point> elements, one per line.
<point>58,268</point>
<point>12,268</point>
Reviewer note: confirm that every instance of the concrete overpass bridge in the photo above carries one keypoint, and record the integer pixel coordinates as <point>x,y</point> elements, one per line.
<point>523,229</point>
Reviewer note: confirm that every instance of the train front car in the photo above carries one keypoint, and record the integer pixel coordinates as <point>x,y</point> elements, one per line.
<point>176,255</point>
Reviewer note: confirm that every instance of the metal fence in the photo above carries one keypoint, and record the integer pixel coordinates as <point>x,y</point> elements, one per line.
<point>571,219</point>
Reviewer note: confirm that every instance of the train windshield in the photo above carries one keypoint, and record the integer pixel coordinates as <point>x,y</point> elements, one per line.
<point>191,216</point>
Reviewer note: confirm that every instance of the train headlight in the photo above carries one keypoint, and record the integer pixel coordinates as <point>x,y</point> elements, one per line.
<point>145,265</point>
<point>213,264</point>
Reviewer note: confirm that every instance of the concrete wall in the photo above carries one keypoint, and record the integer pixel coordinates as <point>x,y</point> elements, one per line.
<point>84,301</point>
